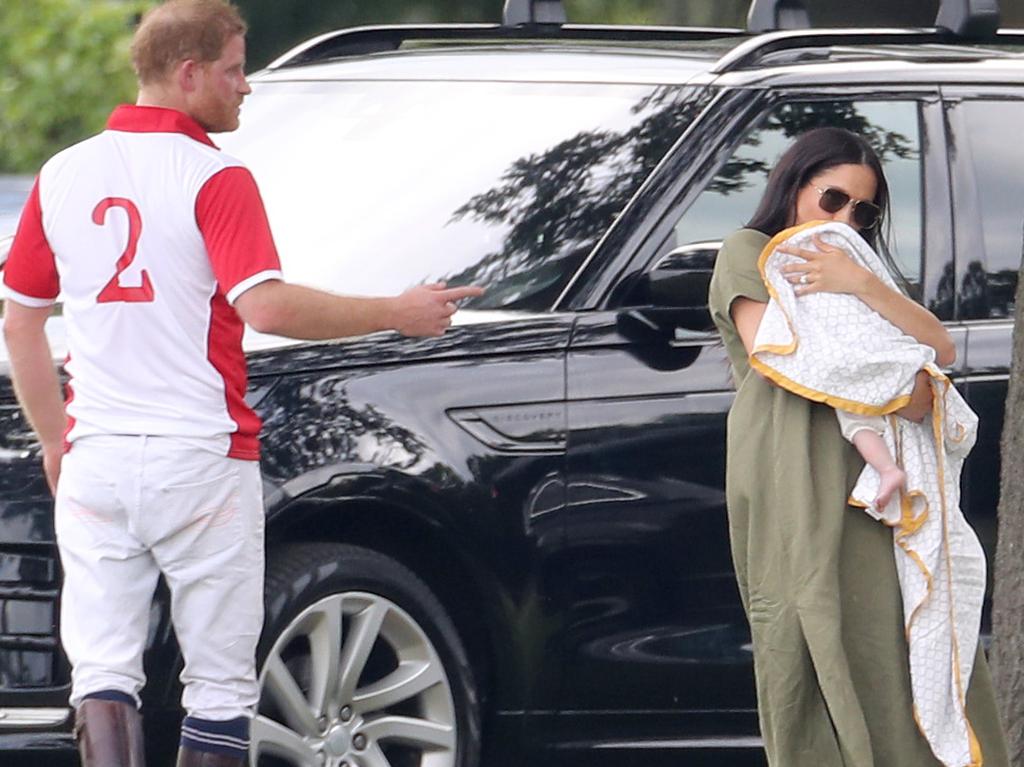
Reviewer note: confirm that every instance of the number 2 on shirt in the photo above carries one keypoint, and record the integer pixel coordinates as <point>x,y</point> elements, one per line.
<point>113,290</point>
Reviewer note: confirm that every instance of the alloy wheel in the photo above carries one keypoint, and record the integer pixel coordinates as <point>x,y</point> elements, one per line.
<point>354,681</point>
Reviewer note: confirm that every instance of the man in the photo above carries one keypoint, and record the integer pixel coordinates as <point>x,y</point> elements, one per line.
<point>160,247</point>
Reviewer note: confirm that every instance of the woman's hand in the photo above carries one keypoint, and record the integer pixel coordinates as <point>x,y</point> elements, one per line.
<point>920,404</point>
<point>833,271</point>
<point>829,269</point>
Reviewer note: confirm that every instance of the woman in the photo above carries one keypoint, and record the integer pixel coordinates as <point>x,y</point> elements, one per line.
<point>818,580</point>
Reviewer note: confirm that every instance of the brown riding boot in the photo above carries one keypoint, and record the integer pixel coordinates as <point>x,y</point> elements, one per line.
<point>109,734</point>
<point>188,757</point>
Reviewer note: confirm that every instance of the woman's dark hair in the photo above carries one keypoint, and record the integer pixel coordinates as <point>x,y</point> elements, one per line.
<point>812,153</point>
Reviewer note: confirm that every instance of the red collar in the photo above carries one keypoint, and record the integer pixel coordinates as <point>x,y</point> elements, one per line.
<point>136,119</point>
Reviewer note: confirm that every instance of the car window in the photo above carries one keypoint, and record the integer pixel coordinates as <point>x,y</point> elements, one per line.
<point>374,186</point>
<point>989,140</point>
<point>13,193</point>
<point>729,200</point>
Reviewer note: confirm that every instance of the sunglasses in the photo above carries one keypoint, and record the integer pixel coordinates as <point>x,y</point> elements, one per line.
<point>865,214</point>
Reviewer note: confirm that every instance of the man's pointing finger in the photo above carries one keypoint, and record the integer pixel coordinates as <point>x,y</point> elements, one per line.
<point>464,291</point>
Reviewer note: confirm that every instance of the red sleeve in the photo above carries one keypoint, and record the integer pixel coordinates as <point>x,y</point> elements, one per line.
<point>233,222</point>
<point>31,268</point>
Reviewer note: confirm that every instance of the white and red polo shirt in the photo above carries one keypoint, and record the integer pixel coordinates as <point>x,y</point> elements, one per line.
<point>148,233</point>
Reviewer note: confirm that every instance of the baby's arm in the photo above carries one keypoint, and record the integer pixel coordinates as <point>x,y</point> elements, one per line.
<point>865,432</point>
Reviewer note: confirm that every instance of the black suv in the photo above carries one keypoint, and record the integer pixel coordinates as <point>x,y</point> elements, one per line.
<point>508,545</point>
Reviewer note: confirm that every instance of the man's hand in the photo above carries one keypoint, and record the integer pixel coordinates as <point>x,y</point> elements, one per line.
<point>296,311</point>
<point>426,310</point>
<point>52,457</point>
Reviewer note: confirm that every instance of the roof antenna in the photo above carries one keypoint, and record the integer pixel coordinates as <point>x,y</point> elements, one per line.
<point>520,12</point>
<point>969,18</point>
<point>772,15</point>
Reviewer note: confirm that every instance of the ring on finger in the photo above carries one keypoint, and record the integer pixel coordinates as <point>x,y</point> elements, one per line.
<point>803,279</point>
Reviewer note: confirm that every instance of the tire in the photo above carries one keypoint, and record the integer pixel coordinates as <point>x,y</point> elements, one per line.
<point>360,666</point>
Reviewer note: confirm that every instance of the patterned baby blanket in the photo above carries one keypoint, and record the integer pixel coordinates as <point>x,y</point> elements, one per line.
<point>833,348</point>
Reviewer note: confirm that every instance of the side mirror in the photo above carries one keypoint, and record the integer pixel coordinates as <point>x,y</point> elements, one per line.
<point>674,295</point>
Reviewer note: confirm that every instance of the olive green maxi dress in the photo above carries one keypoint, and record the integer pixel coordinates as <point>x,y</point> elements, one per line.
<point>817,577</point>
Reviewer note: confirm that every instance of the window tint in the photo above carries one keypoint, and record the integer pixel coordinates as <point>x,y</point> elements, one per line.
<point>375,185</point>
<point>989,138</point>
<point>892,128</point>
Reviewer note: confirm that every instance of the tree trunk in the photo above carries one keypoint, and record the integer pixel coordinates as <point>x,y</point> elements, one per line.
<point>1007,653</point>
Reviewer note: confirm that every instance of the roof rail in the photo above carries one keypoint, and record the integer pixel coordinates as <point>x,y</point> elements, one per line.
<point>360,41</point>
<point>969,18</point>
<point>973,19</point>
<point>519,12</point>
<point>751,51</point>
<point>771,15</point>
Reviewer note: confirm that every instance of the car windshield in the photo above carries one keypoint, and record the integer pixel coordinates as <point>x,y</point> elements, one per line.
<point>374,186</point>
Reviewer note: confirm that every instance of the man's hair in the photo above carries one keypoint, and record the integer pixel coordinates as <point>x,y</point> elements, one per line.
<point>179,30</point>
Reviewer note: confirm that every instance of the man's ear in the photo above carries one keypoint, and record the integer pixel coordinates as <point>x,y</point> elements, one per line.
<point>186,74</point>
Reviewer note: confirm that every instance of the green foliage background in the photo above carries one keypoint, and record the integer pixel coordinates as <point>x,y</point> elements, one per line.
<point>64,64</point>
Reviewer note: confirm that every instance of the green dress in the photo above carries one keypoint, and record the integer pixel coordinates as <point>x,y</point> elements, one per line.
<point>817,577</point>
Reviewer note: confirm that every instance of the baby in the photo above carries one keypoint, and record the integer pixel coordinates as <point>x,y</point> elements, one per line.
<point>865,432</point>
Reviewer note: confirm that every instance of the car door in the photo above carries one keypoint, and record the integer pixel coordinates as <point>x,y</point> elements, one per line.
<point>34,674</point>
<point>655,627</point>
<point>986,171</point>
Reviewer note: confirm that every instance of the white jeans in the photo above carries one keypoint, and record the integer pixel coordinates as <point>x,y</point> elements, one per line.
<point>131,507</point>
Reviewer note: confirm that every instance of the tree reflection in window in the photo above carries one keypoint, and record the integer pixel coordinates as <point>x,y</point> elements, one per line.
<point>989,240</point>
<point>559,202</point>
<point>730,198</point>
<point>789,121</point>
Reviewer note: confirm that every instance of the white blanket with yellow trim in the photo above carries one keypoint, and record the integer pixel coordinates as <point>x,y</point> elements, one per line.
<point>833,348</point>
